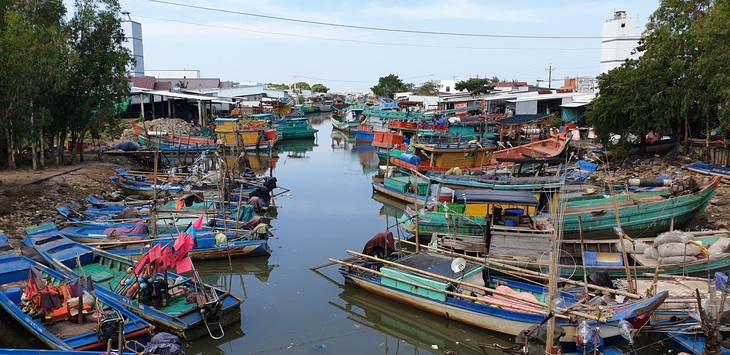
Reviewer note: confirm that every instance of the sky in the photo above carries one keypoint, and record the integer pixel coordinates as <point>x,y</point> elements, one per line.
<point>348,45</point>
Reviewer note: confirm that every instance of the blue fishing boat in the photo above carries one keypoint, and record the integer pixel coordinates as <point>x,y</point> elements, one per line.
<point>462,290</point>
<point>209,243</point>
<point>43,301</point>
<point>685,335</point>
<point>709,169</point>
<point>178,304</point>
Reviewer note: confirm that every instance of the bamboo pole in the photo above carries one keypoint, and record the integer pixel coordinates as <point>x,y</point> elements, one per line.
<point>455,294</point>
<point>530,272</point>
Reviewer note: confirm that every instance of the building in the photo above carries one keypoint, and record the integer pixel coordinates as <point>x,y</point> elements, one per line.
<point>620,38</point>
<point>133,42</point>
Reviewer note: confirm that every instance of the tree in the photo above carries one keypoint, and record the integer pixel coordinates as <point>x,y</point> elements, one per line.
<point>320,88</point>
<point>429,88</point>
<point>475,86</point>
<point>278,86</point>
<point>32,45</point>
<point>301,86</point>
<point>389,85</point>
<point>98,64</point>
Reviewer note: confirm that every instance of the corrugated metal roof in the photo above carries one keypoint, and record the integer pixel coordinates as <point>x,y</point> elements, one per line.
<point>144,82</point>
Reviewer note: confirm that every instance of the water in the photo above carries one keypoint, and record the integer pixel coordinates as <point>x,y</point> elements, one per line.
<point>290,309</point>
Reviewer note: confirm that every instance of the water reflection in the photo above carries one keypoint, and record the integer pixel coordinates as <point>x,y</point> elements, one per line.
<point>405,330</point>
<point>296,148</point>
<point>218,272</point>
<point>368,156</point>
<point>343,140</point>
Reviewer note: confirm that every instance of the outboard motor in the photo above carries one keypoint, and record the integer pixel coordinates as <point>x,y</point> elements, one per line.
<point>109,327</point>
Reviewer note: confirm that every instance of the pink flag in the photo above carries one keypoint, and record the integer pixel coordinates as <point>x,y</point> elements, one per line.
<point>198,224</point>
<point>154,253</point>
<point>179,241</point>
<point>184,265</point>
<point>141,264</point>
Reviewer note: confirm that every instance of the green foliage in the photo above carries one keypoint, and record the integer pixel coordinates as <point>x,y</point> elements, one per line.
<point>428,88</point>
<point>475,86</point>
<point>320,88</point>
<point>301,86</point>
<point>389,85</point>
<point>278,86</point>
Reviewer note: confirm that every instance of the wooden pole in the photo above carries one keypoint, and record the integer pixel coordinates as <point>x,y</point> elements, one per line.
<point>530,272</point>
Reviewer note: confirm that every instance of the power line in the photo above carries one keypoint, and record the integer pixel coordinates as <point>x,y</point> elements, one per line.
<point>369,27</point>
<point>370,42</point>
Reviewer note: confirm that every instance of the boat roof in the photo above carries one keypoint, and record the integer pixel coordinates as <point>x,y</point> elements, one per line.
<point>523,198</point>
<point>520,119</point>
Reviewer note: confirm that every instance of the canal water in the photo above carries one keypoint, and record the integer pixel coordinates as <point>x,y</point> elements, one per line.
<point>290,309</point>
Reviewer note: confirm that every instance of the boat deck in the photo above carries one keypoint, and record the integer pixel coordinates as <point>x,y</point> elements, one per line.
<point>101,274</point>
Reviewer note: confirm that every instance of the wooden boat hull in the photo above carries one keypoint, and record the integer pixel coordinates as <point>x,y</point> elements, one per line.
<point>546,148</point>
<point>187,323</point>
<point>17,268</point>
<point>380,188</point>
<point>484,316</point>
<point>637,219</point>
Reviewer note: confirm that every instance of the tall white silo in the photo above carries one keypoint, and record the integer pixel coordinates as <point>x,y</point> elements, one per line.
<point>133,42</point>
<point>620,37</point>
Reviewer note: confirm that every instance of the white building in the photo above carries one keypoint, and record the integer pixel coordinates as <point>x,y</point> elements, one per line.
<point>620,38</point>
<point>133,42</point>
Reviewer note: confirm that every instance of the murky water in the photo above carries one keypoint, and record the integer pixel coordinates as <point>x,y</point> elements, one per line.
<point>290,309</point>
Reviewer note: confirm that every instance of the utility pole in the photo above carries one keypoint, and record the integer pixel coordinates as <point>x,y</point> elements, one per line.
<point>550,75</point>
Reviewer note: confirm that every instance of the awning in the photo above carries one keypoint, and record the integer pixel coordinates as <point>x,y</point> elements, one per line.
<point>574,104</point>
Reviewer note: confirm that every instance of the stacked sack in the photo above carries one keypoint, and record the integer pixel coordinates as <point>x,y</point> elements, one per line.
<point>673,248</point>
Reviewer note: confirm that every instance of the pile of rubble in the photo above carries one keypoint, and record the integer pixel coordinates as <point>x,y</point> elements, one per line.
<point>169,125</point>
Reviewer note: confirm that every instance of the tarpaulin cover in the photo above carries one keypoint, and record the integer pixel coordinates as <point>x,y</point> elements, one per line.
<point>524,198</point>
<point>137,228</point>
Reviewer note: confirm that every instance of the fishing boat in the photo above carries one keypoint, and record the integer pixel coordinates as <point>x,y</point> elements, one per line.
<point>145,190</point>
<point>659,146</point>
<point>294,128</point>
<point>441,157</point>
<point>546,148</point>
<point>595,256</point>
<point>685,335</point>
<point>462,291</point>
<point>641,214</point>
<point>709,169</point>
<point>248,134</point>
<point>209,243</point>
<point>50,308</point>
<point>408,188</point>
<point>347,119</point>
<point>171,138</point>
<point>181,305</point>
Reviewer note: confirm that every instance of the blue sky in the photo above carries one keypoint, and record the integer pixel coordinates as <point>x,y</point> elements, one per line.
<point>238,40</point>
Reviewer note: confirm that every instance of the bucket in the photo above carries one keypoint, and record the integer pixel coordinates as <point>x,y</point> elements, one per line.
<point>510,222</point>
<point>14,294</point>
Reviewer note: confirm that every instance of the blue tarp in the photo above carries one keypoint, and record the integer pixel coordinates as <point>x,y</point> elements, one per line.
<point>520,119</point>
<point>582,170</point>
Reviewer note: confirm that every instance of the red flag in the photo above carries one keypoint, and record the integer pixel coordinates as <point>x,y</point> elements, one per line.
<point>32,283</point>
<point>184,265</point>
<point>141,264</point>
<point>198,224</point>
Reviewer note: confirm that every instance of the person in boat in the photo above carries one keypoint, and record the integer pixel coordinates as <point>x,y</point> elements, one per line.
<point>381,245</point>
